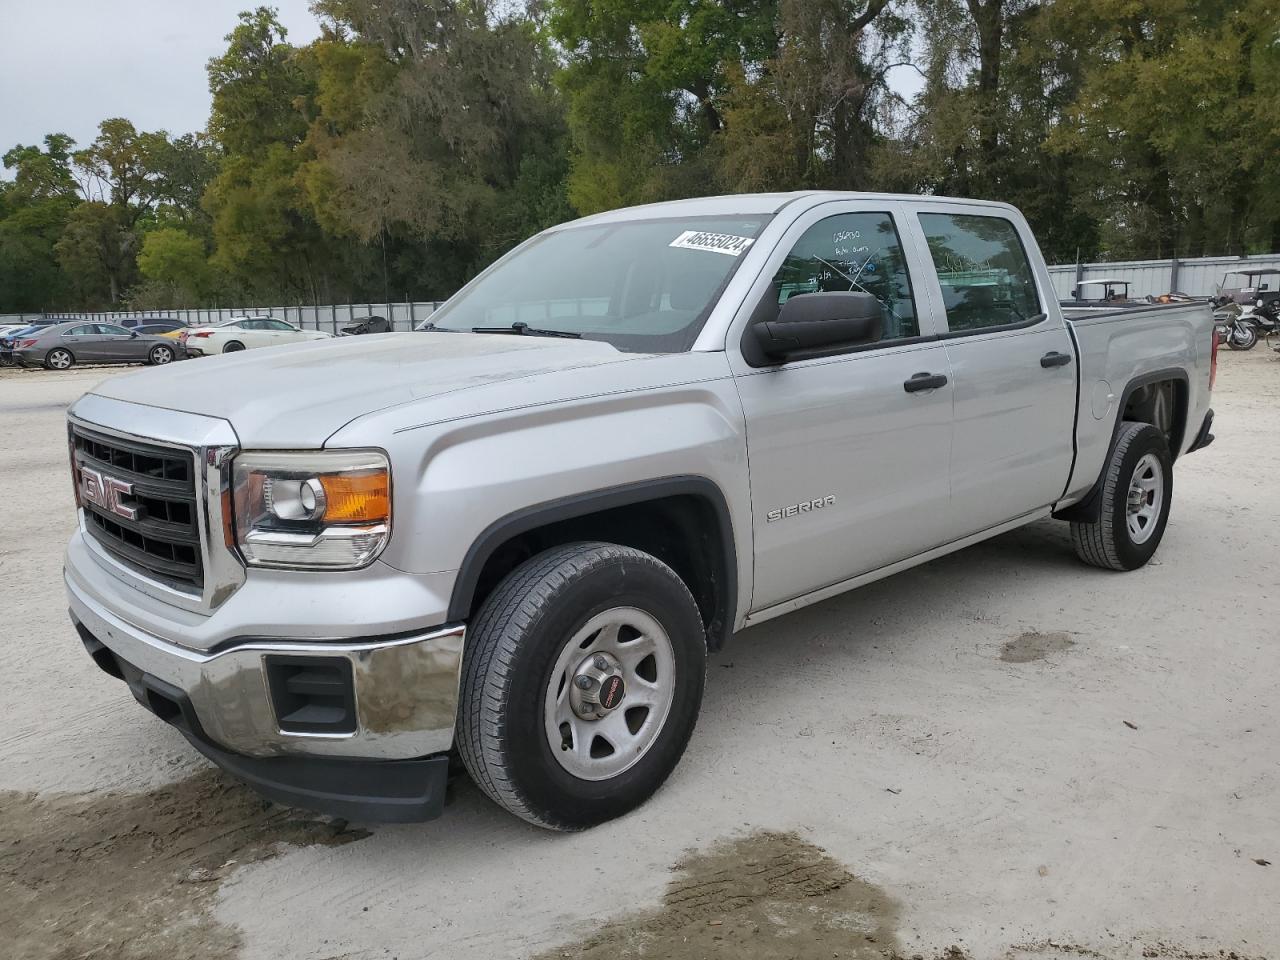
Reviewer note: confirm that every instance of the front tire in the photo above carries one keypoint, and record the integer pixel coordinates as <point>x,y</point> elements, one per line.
<point>1137,491</point>
<point>59,359</point>
<point>160,355</point>
<point>1242,337</point>
<point>581,684</point>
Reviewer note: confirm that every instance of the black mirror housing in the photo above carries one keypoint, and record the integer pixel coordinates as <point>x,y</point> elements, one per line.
<point>810,324</point>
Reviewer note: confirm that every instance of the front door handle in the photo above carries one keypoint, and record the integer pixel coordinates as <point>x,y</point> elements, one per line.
<point>924,381</point>
<point>1055,359</point>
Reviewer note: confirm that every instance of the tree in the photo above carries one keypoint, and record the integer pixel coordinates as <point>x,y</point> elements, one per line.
<point>815,109</point>
<point>42,174</point>
<point>119,167</point>
<point>1173,131</point>
<point>34,209</point>
<point>177,260</point>
<point>97,250</point>
<point>255,86</point>
<point>438,139</point>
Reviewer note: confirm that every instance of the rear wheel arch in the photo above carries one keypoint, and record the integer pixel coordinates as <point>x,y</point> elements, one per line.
<point>683,521</point>
<point>1160,399</point>
<point>1162,395</point>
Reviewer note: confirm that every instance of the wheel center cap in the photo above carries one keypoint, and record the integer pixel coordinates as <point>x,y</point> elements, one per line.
<point>612,691</point>
<point>598,687</point>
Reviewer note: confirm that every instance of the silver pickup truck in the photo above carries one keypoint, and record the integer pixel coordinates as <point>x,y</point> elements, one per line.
<point>512,537</point>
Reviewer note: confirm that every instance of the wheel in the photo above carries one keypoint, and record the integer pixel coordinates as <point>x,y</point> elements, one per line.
<point>160,355</point>
<point>1242,337</point>
<point>1137,490</point>
<point>232,346</point>
<point>59,359</point>
<point>581,683</point>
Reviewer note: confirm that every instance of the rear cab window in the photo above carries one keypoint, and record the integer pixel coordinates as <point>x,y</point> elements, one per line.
<point>983,269</point>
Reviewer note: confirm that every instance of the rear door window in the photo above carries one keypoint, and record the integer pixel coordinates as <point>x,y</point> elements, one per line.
<point>985,273</point>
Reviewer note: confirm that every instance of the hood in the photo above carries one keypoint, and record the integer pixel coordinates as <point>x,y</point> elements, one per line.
<point>298,394</point>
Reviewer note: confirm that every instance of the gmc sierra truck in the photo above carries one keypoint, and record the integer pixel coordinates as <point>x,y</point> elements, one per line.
<point>512,537</point>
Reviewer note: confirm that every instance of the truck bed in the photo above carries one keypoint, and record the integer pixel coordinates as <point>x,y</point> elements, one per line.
<point>1122,348</point>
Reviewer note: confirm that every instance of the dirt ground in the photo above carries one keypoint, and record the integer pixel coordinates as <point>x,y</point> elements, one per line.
<point>1000,754</point>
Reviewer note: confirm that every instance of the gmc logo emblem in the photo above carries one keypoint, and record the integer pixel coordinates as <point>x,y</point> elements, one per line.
<point>105,492</point>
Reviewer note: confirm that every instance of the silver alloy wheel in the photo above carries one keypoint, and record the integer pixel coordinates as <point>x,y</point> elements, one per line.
<point>60,360</point>
<point>161,355</point>
<point>609,694</point>
<point>1146,498</point>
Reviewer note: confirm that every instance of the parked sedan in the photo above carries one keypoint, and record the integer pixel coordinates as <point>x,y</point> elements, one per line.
<point>63,345</point>
<point>10,336</point>
<point>160,328</point>
<point>244,333</point>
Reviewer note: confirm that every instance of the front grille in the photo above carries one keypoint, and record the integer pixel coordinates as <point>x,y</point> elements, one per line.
<point>164,538</point>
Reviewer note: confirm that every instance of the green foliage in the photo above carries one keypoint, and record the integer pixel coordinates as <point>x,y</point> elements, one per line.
<point>255,87</point>
<point>417,140</point>
<point>97,251</point>
<point>176,259</point>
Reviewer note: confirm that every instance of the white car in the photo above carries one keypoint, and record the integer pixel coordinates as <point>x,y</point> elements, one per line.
<point>244,333</point>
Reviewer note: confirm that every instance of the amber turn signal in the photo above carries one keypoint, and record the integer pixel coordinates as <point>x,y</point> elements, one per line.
<point>363,497</point>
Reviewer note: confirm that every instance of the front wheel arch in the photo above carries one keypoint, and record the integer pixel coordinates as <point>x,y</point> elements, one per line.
<point>635,515</point>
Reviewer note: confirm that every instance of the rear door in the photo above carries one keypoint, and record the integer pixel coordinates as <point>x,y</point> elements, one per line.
<point>848,464</point>
<point>1013,366</point>
<point>79,340</point>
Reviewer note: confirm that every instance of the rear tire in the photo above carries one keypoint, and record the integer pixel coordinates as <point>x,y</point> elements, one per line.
<point>1137,491</point>
<point>541,634</point>
<point>233,346</point>
<point>59,359</point>
<point>160,355</point>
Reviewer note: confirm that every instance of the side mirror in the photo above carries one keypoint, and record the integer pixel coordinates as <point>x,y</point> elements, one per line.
<point>133,334</point>
<point>809,323</point>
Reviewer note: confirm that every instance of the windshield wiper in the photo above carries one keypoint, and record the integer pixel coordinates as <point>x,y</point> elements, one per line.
<point>522,329</point>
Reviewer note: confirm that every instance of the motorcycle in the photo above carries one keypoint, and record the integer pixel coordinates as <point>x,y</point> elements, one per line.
<point>1267,313</point>
<point>1236,328</point>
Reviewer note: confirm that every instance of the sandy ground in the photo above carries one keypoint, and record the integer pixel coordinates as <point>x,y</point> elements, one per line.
<point>1000,754</point>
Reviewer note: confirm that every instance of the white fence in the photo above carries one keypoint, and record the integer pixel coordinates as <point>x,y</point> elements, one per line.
<point>1200,277</point>
<point>330,318</point>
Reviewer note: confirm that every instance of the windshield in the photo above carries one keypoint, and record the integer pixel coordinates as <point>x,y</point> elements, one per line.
<point>641,285</point>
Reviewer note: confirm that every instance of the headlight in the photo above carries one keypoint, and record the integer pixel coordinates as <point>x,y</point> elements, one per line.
<point>327,509</point>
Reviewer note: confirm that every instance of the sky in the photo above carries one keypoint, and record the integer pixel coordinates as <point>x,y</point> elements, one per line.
<point>65,65</point>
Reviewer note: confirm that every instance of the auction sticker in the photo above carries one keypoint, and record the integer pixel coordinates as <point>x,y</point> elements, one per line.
<point>712,242</point>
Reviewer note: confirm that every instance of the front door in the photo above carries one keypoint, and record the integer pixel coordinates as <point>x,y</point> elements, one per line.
<point>848,464</point>
<point>115,343</point>
<point>1014,370</point>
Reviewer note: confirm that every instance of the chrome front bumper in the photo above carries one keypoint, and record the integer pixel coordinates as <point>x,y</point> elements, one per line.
<point>406,687</point>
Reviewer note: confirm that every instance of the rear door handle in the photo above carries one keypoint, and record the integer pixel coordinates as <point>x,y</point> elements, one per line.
<point>1055,359</point>
<point>924,381</point>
